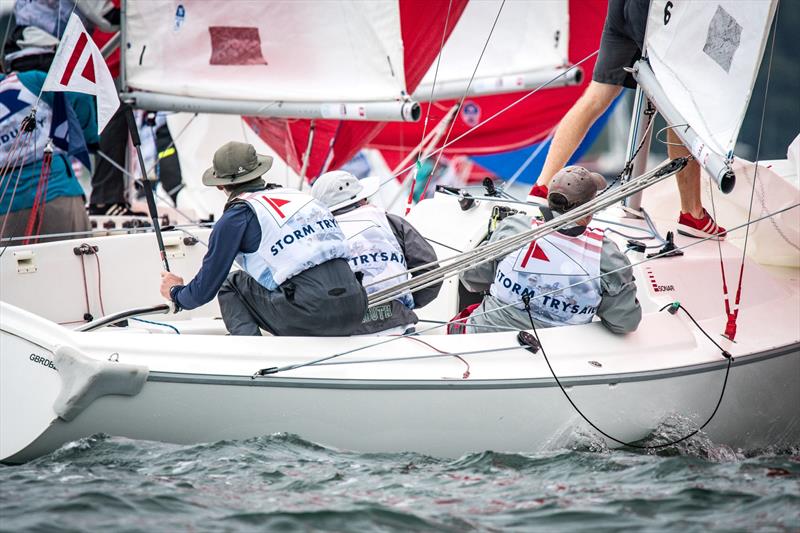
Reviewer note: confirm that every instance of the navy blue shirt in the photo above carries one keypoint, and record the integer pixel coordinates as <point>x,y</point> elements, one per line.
<point>236,231</point>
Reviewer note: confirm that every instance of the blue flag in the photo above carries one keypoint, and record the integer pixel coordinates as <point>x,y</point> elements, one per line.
<point>66,131</point>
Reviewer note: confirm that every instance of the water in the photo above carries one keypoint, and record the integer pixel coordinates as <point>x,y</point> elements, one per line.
<point>284,483</point>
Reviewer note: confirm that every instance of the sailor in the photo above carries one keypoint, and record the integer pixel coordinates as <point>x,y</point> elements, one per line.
<point>620,47</point>
<point>66,119</point>
<point>570,275</point>
<point>382,248</point>
<point>295,278</point>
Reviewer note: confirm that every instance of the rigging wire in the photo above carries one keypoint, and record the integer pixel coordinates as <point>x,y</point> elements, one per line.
<point>276,370</point>
<point>513,104</point>
<point>730,329</point>
<point>435,75</point>
<point>461,101</point>
<point>531,158</point>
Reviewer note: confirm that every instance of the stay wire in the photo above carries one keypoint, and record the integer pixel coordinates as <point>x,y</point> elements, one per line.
<point>461,101</point>
<point>513,104</point>
<point>758,148</point>
<point>606,435</point>
<point>435,75</point>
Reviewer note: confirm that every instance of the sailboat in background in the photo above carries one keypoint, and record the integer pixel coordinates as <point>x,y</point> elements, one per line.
<point>181,379</point>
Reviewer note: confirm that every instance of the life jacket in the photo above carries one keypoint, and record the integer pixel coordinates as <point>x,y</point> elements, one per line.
<point>297,233</point>
<point>16,102</point>
<point>548,264</point>
<point>374,250</point>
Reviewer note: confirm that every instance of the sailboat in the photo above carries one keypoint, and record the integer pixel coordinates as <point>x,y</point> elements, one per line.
<point>137,372</point>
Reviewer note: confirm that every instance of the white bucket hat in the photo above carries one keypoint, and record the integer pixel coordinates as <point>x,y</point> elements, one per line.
<point>338,189</point>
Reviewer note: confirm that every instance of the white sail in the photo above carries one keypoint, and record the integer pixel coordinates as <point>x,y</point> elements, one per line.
<point>705,56</point>
<point>196,139</point>
<point>529,37</point>
<point>299,51</point>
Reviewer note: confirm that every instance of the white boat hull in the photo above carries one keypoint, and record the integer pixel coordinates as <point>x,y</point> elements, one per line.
<point>441,417</point>
<point>399,395</point>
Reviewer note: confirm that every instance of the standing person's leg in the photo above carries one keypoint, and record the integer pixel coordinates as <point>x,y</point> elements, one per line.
<point>573,127</point>
<point>694,220</point>
<point>108,182</point>
<point>688,178</point>
<point>169,166</point>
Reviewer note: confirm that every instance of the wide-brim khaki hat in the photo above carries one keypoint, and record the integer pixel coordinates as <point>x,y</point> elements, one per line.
<point>234,163</point>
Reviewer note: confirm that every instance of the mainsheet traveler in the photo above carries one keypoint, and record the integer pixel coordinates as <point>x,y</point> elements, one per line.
<point>294,277</point>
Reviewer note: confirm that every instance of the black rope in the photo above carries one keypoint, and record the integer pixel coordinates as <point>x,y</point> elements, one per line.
<point>526,300</point>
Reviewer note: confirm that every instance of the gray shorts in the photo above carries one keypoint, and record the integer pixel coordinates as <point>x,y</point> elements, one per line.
<point>621,42</point>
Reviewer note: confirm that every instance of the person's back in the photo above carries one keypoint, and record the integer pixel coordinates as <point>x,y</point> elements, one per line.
<point>568,276</point>
<point>383,247</point>
<point>294,277</point>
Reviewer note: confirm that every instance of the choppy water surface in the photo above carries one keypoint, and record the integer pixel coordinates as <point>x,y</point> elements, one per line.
<point>282,482</point>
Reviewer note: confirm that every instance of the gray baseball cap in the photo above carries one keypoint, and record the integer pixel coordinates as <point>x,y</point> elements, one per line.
<point>573,186</point>
<point>235,163</point>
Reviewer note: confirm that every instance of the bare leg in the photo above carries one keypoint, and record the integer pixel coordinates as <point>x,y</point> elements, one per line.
<point>573,127</point>
<point>688,178</point>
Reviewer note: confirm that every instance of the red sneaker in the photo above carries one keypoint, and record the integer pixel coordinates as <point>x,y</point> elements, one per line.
<point>700,227</point>
<point>537,191</point>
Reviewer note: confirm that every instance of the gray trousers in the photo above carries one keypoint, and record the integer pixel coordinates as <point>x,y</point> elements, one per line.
<point>325,300</point>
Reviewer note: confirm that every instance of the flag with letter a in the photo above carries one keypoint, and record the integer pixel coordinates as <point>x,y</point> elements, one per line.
<point>79,67</point>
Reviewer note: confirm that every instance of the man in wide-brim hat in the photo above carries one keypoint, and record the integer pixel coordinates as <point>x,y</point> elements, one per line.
<point>294,277</point>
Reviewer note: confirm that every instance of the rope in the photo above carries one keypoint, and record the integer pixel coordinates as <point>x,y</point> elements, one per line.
<point>99,283</point>
<point>733,313</point>
<point>465,375</point>
<point>88,316</point>
<point>157,324</point>
<point>606,435</point>
<point>40,198</point>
